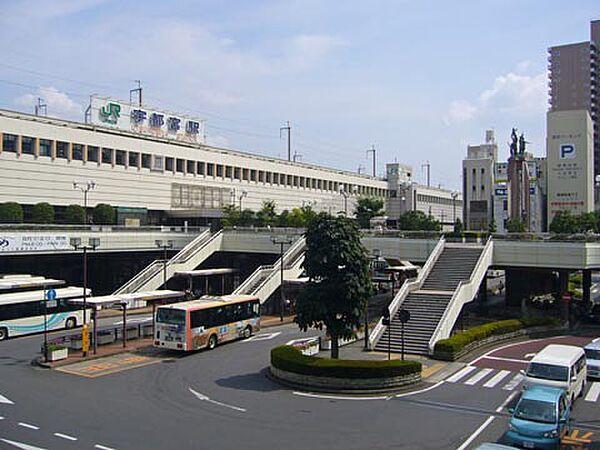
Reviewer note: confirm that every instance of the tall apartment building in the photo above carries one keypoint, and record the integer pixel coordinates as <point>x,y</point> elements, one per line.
<point>573,81</point>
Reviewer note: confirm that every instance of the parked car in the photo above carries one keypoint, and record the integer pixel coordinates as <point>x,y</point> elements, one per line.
<point>540,419</point>
<point>592,356</point>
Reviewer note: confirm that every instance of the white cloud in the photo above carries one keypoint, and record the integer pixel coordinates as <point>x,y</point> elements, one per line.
<point>58,103</point>
<point>459,111</point>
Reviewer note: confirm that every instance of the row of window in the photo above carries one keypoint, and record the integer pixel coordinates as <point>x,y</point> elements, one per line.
<point>159,163</point>
<point>215,317</point>
<point>432,199</point>
<point>35,308</point>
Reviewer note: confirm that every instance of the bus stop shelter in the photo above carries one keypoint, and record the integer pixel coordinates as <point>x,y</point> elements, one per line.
<point>16,284</point>
<point>206,273</point>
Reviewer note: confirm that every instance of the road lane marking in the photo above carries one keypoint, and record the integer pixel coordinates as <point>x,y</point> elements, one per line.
<point>21,445</point>
<point>262,337</point>
<point>496,379</point>
<point>337,397</point>
<point>28,425</point>
<point>103,447</point>
<point>593,392</point>
<point>476,433</point>
<point>506,402</point>
<point>65,436</point>
<point>486,355</point>
<point>204,398</point>
<point>478,377</point>
<point>1,418</point>
<point>6,401</point>
<point>461,373</point>
<point>499,358</point>
<point>420,391</point>
<point>513,383</point>
<point>530,355</point>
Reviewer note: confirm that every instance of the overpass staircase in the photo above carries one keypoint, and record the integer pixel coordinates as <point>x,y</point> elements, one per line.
<point>265,280</point>
<point>188,258</point>
<point>450,278</point>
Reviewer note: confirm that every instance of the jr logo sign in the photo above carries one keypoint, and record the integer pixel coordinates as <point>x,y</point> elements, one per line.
<point>566,151</point>
<point>110,113</point>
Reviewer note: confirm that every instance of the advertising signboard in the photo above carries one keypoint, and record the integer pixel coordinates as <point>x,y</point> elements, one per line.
<point>33,243</point>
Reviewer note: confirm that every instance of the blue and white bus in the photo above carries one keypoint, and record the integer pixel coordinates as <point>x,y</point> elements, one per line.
<point>22,313</point>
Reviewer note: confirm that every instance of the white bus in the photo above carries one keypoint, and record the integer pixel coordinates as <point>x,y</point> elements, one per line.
<point>22,313</point>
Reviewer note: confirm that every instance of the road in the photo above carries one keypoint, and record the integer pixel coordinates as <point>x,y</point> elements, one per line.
<point>222,399</point>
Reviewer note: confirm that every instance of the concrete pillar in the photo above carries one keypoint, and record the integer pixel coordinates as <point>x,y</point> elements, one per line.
<point>563,283</point>
<point>587,285</point>
<point>36,147</point>
<point>19,142</point>
<point>483,290</point>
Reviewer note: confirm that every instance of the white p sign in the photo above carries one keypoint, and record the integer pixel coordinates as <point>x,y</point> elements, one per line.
<point>566,151</point>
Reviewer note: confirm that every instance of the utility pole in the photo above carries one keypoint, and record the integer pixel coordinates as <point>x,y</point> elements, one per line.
<point>361,169</point>
<point>288,128</point>
<point>427,166</point>
<point>297,157</point>
<point>137,91</point>
<point>372,150</point>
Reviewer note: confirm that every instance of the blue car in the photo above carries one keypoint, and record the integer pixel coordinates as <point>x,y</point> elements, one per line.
<point>540,419</point>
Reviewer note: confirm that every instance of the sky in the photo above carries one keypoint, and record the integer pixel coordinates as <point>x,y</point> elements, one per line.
<point>419,80</point>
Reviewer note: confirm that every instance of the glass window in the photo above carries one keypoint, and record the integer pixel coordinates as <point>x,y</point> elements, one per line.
<point>78,152</point>
<point>134,158</point>
<point>9,143</point>
<point>169,164</point>
<point>62,150</point>
<point>146,160</point>
<point>219,170</point>
<point>245,174</point>
<point>92,153</point>
<point>228,172</point>
<point>45,147</point>
<point>201,168</point>
<point>170,316</point>
<point>536,411</point>
<point>210,170</point>
<point>592,354</point>
<point>191,167</point>
<point>107,155</point>
<point>548,372</point>
<point>253,175</point>
<point>179,165</point>
<point>27,145</point>
<point>120,158</point>
<point>158,163</point>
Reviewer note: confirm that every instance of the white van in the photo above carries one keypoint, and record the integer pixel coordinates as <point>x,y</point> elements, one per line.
<point>561,366</point>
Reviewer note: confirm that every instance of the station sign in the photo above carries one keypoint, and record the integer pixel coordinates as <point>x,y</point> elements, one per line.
<point>33,243</point>
<point>145,120</point>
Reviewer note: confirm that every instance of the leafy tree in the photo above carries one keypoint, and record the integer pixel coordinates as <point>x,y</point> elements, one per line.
<point>230,216</point>
<point>587,222</point>
<point>42,213</point>
<point>563,222</point>
<point>366,209</point>
<point>266,215</point>
<point>418,221</point>
<point>74,214</point>
<point>515,226</point>
<point>458,226</point>
<point>283,220</point>
<point>339,283</point>
<point>104,214</point>
<point>492,228</point>
<point>247,218</point>
<point>308,214</point>
<point>11,212</point>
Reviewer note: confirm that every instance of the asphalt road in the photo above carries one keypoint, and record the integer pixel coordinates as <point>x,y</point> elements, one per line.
<point>221,399</point>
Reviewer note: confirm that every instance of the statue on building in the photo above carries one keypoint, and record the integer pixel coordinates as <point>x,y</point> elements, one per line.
<point>522,144</point>
<point>514,142</point>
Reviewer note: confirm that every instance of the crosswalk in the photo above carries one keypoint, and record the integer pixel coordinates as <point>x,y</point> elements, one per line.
<point>506,380</point>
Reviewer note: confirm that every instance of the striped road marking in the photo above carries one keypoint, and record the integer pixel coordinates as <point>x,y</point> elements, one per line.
<point>496,379</point>
<point>460,374</point>
<point>478,377</point>
<point>593,393</point>
<point>513,383</point>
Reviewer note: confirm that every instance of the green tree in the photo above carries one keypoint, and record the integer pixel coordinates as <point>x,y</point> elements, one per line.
<point>247,218</point>
<point>74,214</point>
<point>418,221</point>
<point>230,216</point>
<point>492,228</point>
<point>339,282</point>
<point>587,222</point>
<point>563,222</point>
<point>11,212</point>
<point>266,215</point>
<point>515,226</point>
<point>104,214</point>
<point>366,209</point>
<point>42,213</point>
<point>283,219</point>
<point>458,226</point>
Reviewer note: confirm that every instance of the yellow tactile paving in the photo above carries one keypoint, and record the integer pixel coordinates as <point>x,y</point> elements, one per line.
<point>110,364</point>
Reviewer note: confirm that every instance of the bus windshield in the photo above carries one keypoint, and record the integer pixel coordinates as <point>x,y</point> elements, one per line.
<point>548,372</point>
<point>171,316</point>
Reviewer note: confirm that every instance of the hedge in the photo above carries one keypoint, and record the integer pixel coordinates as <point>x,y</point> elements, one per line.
<point>290,359</point>
<point>458,341</point>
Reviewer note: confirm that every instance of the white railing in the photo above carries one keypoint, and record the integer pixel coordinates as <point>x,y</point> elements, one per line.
<point>464,293</point>
<point>407,288</point>
<point>189,249</point>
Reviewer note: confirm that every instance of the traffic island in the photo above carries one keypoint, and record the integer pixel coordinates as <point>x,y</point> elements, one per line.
<point>290,367</point>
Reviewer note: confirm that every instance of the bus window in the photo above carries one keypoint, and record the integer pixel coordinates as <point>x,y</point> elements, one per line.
<point>171,316</point>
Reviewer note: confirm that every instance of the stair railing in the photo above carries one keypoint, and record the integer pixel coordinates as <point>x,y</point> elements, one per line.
<point>464,293</point>
<point>407,288</point>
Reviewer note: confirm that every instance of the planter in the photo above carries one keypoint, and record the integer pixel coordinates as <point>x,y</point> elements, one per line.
<point>57,355</point>
<point>106,337</point>
<point>326,343</point>
<point>308,347</point>
<point>130,333</point>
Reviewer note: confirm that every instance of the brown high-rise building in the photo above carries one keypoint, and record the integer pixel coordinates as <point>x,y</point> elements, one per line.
<point>574,81</point>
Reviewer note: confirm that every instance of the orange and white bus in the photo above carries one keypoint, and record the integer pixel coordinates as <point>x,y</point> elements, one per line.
<point>206,322</point>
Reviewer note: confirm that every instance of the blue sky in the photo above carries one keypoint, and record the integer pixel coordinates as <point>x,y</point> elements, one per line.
<point>419,79</point>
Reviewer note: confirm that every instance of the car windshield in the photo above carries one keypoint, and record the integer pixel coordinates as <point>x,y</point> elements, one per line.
<point>548,372</point>
<point>592,354</point>
<point>171,316</point>
<point>536,411</point>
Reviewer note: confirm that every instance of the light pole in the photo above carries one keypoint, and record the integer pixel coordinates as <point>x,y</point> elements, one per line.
<point>281,241</point>
<point>242,196</point>
<point>85,187</point>
<point>454,197</point>
<point>93,243</point>
<point>165,245</point>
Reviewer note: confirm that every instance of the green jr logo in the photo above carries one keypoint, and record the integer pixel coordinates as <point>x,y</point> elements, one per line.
<point>110,113</point>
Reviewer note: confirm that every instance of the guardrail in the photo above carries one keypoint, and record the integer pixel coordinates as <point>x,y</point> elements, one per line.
<point>464,293</point>
<point>407,288</point>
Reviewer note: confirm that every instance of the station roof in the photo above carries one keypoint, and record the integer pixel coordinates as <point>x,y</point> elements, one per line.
<point>109,300</point>
<point>204,272</point>
<point>28,282</point>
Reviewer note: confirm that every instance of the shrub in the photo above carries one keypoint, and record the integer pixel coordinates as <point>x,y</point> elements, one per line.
<point>42,213</point>
<point>75,214</point>
<point>457,342</point>
<point>104,214</point>
<point>291,359</point>
<point>11,212</point>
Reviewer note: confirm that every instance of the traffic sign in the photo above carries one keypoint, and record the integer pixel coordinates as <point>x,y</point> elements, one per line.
<point>403,315</point>
<point>51,294</point>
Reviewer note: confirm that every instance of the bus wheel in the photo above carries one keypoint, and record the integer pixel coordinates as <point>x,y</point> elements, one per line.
<point>212,342</point>
<point>247,332</point>
<point>70,323</point>
<point>3,334</point>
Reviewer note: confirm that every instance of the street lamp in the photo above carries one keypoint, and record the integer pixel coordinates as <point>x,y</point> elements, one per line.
<point>85,187</point>
<point>165,245</point>
<point>93,243</point>
<point>281,241</point>
<point>242,196</point>
<point>454,197</point>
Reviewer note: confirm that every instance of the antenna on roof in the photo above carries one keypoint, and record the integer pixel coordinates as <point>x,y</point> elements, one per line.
<point>136,92</point>
<point>41,108</point>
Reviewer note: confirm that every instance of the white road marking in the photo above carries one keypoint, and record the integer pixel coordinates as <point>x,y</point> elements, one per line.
<point>22,445</point>
<point>103,447</point>
<point>530,355</point>
<point>596,340</point>
<point>262,337</point>
<point>1,418</point>
<point>499,358</point>
<point>506,402</point>
<point>461,373</point>
<point>293,341</point>
<point>478,377</point>
<point>593,393</point>
<point>513,383</point>
<point>496,379</point>
<point>5,400</point>
<point>420,391</point>
<point>65,436</point>
<point>486,355</point>
<point>28,425</point>
<point>203,397</point>
<point>337,397</point>
<point>476,433</point>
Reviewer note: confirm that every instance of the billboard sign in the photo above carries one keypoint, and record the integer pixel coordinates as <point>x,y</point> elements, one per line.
<point>33,243</point>
<point>144,120</point>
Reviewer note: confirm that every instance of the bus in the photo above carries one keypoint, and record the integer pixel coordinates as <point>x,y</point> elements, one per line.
<point>206,322</point>
<point>22,313</point>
